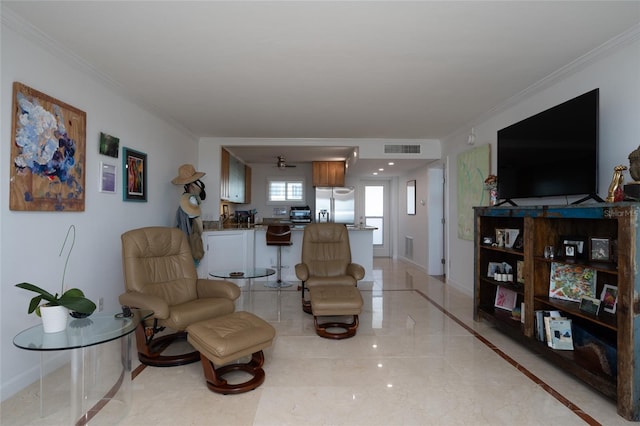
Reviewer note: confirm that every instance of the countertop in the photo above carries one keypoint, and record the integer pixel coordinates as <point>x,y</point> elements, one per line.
<point>259,227</point>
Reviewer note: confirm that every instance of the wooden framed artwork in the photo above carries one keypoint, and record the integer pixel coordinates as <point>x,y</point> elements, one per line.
<point>48,147</point>
<point>134,175</point>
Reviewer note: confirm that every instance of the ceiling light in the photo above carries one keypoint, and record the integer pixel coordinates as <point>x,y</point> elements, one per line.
<point>391,163</point>
<point>375,173</point>
<point>381,169</point>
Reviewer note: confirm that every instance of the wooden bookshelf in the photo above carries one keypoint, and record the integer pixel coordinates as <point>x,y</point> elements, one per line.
<point>606,333</point>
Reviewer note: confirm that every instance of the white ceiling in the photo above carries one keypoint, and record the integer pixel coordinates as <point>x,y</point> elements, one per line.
<point>303,69</point>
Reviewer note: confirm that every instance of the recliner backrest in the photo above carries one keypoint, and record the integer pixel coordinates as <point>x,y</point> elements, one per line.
<point>158,261</point>
<point>325,249</point>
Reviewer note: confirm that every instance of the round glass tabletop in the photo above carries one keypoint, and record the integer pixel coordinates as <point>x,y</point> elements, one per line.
<point>80,333</point>
<point>243,273</point>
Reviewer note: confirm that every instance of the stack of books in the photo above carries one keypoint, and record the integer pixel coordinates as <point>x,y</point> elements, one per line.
<point>555,329</point>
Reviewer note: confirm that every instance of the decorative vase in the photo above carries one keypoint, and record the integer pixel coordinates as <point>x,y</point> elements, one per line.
<point>54,318</point>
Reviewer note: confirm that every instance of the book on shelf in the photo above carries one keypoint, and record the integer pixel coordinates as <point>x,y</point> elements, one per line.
<point>543,333</point>
<point>561,334</point>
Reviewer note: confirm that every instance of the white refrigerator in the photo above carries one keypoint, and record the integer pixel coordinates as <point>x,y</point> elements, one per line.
<point>335,205</point>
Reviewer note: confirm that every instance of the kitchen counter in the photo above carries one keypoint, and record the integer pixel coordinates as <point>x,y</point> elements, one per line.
<point>223,245</point>
<point>298,227</point>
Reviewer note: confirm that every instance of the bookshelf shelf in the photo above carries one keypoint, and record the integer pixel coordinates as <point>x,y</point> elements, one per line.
<point>607,345</point>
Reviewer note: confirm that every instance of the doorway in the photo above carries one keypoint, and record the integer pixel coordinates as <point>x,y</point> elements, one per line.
<point>376,213</point>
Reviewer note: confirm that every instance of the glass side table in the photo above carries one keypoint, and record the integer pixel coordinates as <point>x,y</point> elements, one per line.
<point>100,370</point>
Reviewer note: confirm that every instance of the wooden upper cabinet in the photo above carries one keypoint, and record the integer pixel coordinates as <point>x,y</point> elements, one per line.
<point>328,173</point>
<point>224,175</point>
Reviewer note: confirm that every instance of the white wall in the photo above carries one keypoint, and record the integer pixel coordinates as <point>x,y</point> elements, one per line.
<point>31,240</point>
<point>617,73</point>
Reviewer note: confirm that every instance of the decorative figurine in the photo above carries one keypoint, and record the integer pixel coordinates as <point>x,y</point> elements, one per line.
<point>491,184</point>
<point>615,188</point>
<point>632,190</point>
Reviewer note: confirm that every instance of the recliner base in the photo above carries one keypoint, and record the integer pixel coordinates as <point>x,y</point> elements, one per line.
<point>216,382</point>
<point>150,350</point>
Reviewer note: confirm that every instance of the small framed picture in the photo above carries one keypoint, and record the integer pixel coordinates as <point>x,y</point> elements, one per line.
<point>505,298</point>
<point>109,145</point>
<point>599,249</point>
<point>134,175</point>
<point>589,305</point>
<point>579,242</point>
<point>107,178</point>
<point>609,298</point>
<point>570,251</point>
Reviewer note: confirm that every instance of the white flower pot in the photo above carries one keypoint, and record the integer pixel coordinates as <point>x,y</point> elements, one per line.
<point>54,318</point>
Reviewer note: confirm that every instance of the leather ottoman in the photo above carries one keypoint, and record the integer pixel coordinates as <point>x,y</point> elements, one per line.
<point>335,300</point>
<point>225,339</point>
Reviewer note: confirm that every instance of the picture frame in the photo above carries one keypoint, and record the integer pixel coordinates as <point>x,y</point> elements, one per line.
<point>134,175</point>
<point>411,197</point>
<point>505,298</point>
<point>520,271</point>
<point>590,305</point>
<point>570,251</point>
<point>225,210</point>
<point>493,268</point>
<point>107,181</point>
<point>109,145</point>
<point>46,174</point>
<point>578,241</point>
<point>599,249</point>
<point>609,298</point>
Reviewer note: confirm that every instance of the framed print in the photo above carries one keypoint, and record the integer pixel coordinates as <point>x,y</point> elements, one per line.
<point>411,197</point>
<point>590,305</point>
<point>599,249</point>
<point>134,175</point>
<point>609,298</point>
<point>520,271</point>
<point>225,210</point>
<point>107,178</point>
<point>505,298</point>
<point>48,147</point>
<point>572,281</point>
<point>570,251</point>
<point>109,145</point>
<point>579,242</point>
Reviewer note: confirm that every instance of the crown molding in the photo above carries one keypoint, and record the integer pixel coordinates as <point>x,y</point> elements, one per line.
<point>17,24</point>
<point>611,46</point>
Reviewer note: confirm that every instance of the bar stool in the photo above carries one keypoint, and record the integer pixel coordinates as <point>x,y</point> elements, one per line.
<point>279,235</point>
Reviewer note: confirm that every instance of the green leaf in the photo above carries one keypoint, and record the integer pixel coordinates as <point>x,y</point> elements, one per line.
<point>28,286</point>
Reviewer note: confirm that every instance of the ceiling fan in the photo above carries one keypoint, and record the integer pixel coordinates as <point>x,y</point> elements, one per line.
<point>282,163</point>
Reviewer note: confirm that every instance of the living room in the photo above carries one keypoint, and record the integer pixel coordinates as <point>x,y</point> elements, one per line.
<point>31,240</point>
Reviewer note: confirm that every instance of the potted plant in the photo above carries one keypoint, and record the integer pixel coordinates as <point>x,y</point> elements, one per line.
<point>53,307</point>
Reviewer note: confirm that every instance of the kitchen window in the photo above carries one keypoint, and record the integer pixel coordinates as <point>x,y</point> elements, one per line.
<point>291,190</point>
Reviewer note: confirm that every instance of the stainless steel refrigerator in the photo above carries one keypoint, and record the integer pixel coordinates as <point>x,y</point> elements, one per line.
<point>335,205</point>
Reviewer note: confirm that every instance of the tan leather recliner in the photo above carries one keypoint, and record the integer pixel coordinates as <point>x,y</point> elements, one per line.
<point>160,276</point>
<point>326,258</point>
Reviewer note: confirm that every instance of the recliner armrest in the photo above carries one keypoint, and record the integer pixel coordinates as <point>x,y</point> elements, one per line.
<point>302,271</point>
<point>356,271</point>
<point>138,300</point>
<point>217,288</point>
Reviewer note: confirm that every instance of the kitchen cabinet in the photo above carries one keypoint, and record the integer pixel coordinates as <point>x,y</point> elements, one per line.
<point>233,180</point>
<point>328,173</point>
<point>227,249</point>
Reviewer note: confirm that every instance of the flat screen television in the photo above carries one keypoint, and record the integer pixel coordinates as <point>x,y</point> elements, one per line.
<point>553,153</point>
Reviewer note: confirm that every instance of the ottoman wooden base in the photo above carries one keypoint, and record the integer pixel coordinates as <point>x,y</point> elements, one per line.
<point>335,300</point>
<point>223,340</point>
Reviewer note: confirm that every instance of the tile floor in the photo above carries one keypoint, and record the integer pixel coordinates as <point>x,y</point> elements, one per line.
<point>418,359</point>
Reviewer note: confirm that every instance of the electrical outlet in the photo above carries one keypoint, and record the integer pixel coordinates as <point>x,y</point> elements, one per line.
<point>100,304</point>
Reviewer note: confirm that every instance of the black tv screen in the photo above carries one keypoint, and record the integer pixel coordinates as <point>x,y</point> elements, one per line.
<point>553,153</point>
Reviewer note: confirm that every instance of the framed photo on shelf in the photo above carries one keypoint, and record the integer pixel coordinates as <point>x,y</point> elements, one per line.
<point>493,268</point>
<point>520,271</point>
<point>579,242</point>
<point>134,173</point>
<point>505,298</point>
<point>570,251</point>
<point>609,298</point>
<point>599,249</point>
<point>590,305</point>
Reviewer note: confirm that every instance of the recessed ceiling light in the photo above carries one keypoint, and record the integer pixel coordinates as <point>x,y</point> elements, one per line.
<point>375,173</point>
<point>381,169</point>
<point>391,163</point>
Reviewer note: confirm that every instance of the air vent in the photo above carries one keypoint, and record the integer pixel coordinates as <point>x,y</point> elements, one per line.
<point>402,149</point>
